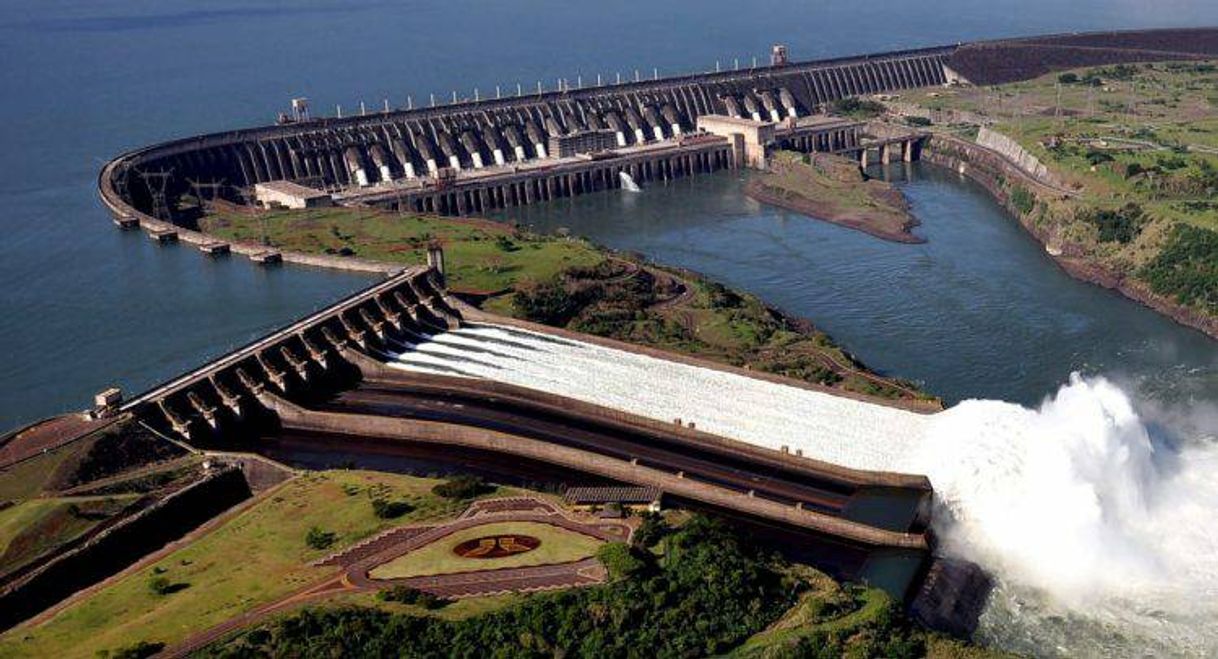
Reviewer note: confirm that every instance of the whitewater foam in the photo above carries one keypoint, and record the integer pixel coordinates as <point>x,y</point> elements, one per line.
<point>1099,532</point>
<point>1081,513</point>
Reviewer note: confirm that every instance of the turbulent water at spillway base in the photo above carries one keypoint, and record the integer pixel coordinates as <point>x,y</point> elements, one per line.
<point>1096,526</point>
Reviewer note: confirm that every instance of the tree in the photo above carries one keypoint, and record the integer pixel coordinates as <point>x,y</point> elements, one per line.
<point>316,538</point>
<point>390,509</point>
<point>619,560</point>
<point>462,487</point>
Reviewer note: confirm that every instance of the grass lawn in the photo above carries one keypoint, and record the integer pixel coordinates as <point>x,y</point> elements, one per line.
<point>27,479</point>
<point>252,559</point>
<point>480,255</point>
<point>558,545</point>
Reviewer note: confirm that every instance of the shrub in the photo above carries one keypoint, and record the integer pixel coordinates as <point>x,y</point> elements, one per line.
<point>140,650</point>
<point>1068,78</point>
<point>400,594</point>
<point>1121,225</point>
<point>163,586</point>
<point>461,487</point>
<point>1022,200</point>
<point>431,602</point>
<point>918,121</point>
<point>1098,157</point>
<point>316,538</point>
<point>505,244</point>
<point>390,509</point>
<point>159,585</point>
<point>722,297</point>
<point>857,107</point>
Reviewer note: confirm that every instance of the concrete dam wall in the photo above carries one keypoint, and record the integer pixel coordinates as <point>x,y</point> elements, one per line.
<point>404,144</point>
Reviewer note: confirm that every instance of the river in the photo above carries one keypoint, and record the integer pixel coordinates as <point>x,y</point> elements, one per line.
<point>977,312</point>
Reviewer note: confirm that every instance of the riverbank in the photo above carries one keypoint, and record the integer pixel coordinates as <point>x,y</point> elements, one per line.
<point>1112,169</point>
<point>832,189</point>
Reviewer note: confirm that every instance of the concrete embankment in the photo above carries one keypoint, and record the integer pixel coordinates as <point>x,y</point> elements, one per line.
<point>999,175</point>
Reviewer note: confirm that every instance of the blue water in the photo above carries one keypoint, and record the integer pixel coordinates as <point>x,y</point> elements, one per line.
<point>85,306</point>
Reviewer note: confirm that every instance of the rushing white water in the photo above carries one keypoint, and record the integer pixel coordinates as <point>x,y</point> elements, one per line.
<point>628,183</point>
<point>824,426</point>
<point>1101,534</point>
<point>1097,526</point>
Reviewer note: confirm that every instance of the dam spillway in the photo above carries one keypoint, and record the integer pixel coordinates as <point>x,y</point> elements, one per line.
<point>824,426</point>
<point>332,382</point>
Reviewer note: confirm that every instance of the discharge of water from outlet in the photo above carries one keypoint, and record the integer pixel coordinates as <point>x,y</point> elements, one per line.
<point>1089,514</point>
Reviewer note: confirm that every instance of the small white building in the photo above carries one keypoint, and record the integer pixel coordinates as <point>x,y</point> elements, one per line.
<point>287,194</point>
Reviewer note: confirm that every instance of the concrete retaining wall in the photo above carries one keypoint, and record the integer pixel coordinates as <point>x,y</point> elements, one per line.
<point>1011,150</point>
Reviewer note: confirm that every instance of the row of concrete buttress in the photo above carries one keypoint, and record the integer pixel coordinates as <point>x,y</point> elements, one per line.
<point>302,361</point>
<point>500,132</point>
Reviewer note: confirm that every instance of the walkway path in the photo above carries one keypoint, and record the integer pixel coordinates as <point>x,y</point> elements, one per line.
<point>357,560</point>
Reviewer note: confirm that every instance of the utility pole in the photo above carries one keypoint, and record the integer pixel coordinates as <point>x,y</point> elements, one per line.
<point>249,197</point>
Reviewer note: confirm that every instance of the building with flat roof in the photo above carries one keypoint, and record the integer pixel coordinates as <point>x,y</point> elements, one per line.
<point>586,141</point>
<point>288,194</point>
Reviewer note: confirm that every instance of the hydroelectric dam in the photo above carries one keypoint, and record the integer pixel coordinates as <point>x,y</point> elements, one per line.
<point>476,156</point>
<point>405,370</point>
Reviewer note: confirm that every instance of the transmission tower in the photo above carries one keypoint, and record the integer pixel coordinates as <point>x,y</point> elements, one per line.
<point>250,198</point>
<point>206,192</point>
<point>157,182</point>
<point>121,176</point>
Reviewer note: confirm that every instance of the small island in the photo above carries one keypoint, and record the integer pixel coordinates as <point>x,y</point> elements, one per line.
<point>834,189</point>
